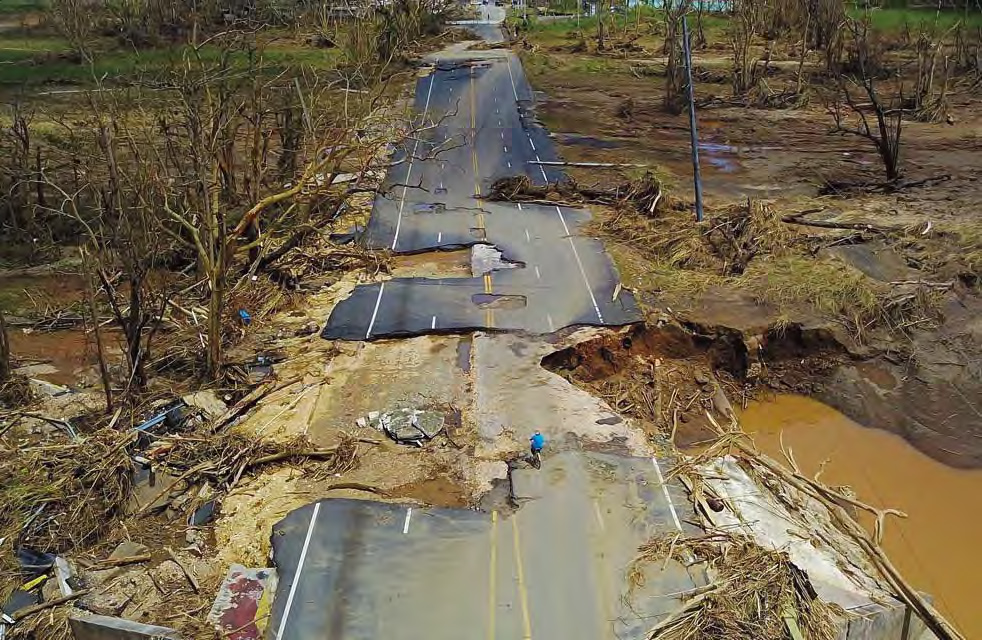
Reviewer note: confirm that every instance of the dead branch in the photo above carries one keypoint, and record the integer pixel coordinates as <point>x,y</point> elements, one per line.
<point>187,572</point>
<point>30,611</point>
<point>796,218</point>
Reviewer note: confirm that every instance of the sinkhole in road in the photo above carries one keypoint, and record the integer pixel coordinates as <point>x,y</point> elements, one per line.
<point>499,301</point>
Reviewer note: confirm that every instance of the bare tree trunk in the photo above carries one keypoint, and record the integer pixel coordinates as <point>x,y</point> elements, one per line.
<point>4,350</point>
<point>216,305</point>
<point>93,312</point>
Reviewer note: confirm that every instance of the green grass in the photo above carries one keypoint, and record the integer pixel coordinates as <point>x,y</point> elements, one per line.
<point>30,61</point>
<point>894,20</point>
<point>15,7</point>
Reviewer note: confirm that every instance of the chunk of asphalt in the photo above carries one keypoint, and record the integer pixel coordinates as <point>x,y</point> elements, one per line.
<point>486,258</point>
<point>109,628</point>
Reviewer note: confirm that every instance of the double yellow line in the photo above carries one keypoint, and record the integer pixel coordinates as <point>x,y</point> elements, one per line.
<point>520,571</point>
<point>488,284</point>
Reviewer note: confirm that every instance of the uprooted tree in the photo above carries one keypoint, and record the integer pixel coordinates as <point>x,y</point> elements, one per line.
<point>859,108</point>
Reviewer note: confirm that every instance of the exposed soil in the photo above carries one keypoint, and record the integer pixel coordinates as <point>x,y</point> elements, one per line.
<point>440,491</point>
<point>915,372</point>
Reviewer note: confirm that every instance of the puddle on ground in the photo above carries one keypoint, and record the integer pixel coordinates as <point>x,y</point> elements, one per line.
<point>464,353</point>
<point>588,141</point>
<point>65,352</point>
<point>499,301</point>
<point>937,546</point>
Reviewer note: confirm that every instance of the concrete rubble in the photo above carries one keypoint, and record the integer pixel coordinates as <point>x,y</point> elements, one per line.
<point>405,426</point>
<point>835,564</point>
<point>96,627</point>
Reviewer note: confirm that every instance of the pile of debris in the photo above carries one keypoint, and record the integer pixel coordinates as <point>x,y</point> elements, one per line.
<point>67,493</point>
<point>784,554</point>
<point>644,194</point>
<point>406,426</point>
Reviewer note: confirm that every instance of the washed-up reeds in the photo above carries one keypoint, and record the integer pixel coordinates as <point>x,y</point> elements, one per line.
<point>753,594</point>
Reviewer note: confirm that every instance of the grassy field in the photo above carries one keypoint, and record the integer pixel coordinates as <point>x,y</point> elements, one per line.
<point>44,60</point>
<point>14,7</point>
<point>893,20</point>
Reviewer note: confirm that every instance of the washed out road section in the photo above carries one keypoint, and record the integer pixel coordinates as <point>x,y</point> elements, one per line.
<point>476,110</point>
<point>352,569</point>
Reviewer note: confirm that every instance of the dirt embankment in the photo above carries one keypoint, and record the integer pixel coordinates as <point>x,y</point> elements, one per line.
<point>811,272</point>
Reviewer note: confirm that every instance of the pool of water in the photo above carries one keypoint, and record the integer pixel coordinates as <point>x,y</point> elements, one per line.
<point>937,547</point>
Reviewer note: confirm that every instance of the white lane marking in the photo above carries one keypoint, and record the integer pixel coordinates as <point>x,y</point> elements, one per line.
<point>528,238</point>
<point>502,134</point>
<point>509,164</point>
<point>506,149</point>
<point>533,145</point>
<point>600,518</point>
<point>409,171</point>
<point>439,238</point>
<point>537,274</point>
<point>378,300</point>
<point>552,327</point>
<point>579,263</point>
<point>433,323</point>
<point>542,169</point>
<point>296,576</point>
<point>510,75</point>
<point>405,525</point>
<point>499,123</point>
<point>668,498</point>
<point>519,206</point>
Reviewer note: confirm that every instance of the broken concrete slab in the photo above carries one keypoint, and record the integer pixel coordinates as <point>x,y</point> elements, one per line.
<point>97,627</point>
<point>128,549</point>
<point>241,610</point>
<point>406,426</point>
<point>836,566</point>
<point>208,402</point>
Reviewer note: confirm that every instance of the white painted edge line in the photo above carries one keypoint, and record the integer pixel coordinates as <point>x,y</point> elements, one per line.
<point>579,263</point>
<point>600,517</point>
<point>537,274</point>
<point>439,237</point>
<point>378,300</point>
<point>541,168</point>
<point>528,238</point>
<point>668,498</point>
<point>296,576</point>
<point>511,75</point>
<point>409,514</point>
<point>409,171</point>
<point>433,323</point>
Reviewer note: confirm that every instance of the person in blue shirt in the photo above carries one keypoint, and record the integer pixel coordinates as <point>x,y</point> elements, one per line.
<point>537,442</point>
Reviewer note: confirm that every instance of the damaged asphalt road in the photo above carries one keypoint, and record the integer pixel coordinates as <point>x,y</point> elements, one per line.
<point>360,569</point>
<point>477,110</point>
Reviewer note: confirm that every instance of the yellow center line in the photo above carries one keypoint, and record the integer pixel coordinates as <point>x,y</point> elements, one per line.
<point>493,577</point>
<point>522,592</point>
<point>488,284</point>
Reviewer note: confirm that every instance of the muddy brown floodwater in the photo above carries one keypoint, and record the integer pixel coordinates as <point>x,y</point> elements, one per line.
<point>938,546</point>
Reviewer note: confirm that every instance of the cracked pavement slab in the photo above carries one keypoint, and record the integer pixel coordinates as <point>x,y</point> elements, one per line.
<point>477,108</point>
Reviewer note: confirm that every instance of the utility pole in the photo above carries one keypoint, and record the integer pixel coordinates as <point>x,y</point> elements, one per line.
<point>696,176</point>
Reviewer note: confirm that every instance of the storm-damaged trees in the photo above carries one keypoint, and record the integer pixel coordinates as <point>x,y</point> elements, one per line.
<point>858,100</point>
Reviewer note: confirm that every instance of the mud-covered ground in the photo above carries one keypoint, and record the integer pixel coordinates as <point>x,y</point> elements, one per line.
<point>915,369</point>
